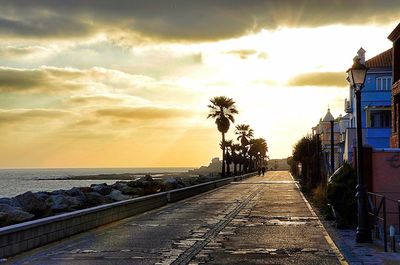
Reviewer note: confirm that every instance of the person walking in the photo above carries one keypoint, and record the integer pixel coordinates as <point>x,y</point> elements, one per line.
<point>263,170</point>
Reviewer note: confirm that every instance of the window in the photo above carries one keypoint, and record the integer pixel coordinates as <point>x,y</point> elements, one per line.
<point>380,119</point>
<point>384,83</point>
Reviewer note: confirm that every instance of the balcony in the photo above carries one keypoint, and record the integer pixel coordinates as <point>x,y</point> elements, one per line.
<point>348,108</point>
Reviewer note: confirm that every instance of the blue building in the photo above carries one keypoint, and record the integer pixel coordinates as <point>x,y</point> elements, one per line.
<point>375,104</point>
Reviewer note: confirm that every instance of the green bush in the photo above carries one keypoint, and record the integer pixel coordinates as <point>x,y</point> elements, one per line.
<point>341,195</point>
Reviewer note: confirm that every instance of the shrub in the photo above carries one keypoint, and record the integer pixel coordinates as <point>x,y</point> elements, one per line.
<point>341,195</point>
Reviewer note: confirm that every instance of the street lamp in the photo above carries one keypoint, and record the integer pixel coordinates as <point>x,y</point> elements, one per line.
<point>357,75</point>
<point>318,159</point>
<point>332,146</point>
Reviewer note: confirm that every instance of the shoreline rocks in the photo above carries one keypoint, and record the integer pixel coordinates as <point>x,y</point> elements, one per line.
<point>35,205</point>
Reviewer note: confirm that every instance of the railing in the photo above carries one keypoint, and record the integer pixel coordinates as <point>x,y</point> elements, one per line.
<point>376,203</point>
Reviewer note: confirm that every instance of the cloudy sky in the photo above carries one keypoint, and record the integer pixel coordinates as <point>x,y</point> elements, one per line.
<point>126,83</point>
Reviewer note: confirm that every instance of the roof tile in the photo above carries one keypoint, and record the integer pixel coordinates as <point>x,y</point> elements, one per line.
<point>382,60</point>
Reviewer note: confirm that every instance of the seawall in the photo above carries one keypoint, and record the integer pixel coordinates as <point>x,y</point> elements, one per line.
<point>15,239</point>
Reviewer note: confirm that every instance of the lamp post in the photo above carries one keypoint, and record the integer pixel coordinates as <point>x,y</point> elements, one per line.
<point>357,75</point>
<point>332,146</point>
<point>318,159</point>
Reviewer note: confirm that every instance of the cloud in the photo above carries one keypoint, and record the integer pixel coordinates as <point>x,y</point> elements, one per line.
<point>60,80</point>
<point>44,23</point>
<point>262,55</point>
<point>93,99</point>
<point>16,52</point>
<point>47,79</point>
<point>243,54</point>
<point>320,79</point>
<point>179,19</point>
<point>23,115</point>
<point>144,113</point>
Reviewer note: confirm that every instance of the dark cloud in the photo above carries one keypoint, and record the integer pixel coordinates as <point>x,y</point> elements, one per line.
<point>41,25</point>
<point>11,52</point>
<point>41,79</point>
<point>196,20</point>
<point>51,80</point>
<point>22,115</point>
<point>320,79</point>
<point>144,113</point>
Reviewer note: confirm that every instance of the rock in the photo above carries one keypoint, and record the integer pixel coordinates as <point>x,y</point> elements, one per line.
<point>174,183</point>
<point>58,192</point>
<point>103,188</point>
<point>95,198</point>
<point>75,192</point>
<point>42,195</point>
<point>133,183</point>
<point>10,215</point>
<point>31,202</point>
<point>117,195</point>
<point>146,178</point>
<point>148,184</point>
<point>3,217</point>
<point>58,203</point>
<point>170,184</point>
<point>138,191</point>
<point>124,188</point>
<point>85,189</point>
<point>65,203</point>
<point>9,201</point>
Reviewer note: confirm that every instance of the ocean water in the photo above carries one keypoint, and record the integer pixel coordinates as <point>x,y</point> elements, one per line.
<point>17,181</point>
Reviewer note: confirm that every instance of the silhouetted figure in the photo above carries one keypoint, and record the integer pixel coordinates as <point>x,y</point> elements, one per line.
<point>263,170</point>
<point>259,171</point>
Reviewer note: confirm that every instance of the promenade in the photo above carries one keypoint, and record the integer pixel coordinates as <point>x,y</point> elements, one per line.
<point>262,220</point>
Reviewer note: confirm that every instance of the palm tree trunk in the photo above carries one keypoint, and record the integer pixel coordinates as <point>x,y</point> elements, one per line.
<point>223,155</point>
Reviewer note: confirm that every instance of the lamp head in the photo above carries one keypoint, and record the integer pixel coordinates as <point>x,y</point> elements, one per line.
<point>357,73</point>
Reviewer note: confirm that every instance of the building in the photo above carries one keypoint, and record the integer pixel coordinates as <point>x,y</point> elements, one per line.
<point>323,128</point>
<point>395,134</point>
<point>375,105</point>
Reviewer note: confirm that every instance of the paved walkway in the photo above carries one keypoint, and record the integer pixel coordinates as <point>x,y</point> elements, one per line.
<point>262,220</point>
<point>361,254</point>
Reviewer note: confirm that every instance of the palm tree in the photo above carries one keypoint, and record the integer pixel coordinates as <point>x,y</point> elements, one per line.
<point>245,134</point>
<point>258,150</point>
<point>222,110</point>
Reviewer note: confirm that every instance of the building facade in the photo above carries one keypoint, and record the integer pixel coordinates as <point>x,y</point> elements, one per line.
<point>323,128</point>
<point>376,111</point>
<point>395,133</point>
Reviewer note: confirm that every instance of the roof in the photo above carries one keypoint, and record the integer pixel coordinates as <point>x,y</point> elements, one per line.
<point>346,117</point>
<point>395,34</point>
<point>382,60</point>
<point>328,117</point>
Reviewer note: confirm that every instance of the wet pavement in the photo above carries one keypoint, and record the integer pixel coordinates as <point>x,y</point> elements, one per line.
<point>262,220</point>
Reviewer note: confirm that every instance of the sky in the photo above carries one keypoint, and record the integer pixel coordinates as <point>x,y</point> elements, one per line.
<point>127,83</point>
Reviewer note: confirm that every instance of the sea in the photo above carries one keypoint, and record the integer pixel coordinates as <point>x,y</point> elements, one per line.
<point>18,181</point>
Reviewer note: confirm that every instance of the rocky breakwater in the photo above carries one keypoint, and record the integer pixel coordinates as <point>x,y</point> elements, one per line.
<point>35,205</point>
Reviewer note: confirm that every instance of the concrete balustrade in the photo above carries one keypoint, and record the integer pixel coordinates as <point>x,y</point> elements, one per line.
<point>21,237</point>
